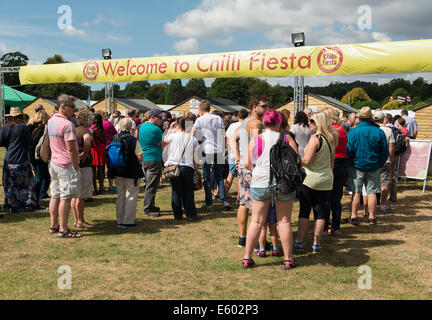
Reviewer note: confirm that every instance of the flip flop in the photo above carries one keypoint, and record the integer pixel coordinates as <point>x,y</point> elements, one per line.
<point>53,230</point>
<point>354,221</point>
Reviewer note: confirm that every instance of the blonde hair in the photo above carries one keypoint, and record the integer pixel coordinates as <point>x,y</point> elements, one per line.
<point>325,127</point>
<point>125,124</point>
<point>41,116</point>
<point>331,114</point>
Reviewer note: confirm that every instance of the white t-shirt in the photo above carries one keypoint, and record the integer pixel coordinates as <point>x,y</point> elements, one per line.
<point>176,144</point>
<point>389,136</point>
<point>231,129</point>
<point>211,130</point>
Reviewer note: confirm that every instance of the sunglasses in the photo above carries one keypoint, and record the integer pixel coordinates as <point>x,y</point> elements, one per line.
<point>311,121</point>
<point>263,105</point>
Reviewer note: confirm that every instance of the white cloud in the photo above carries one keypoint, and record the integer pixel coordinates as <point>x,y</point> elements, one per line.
<point>100,18</point>
<point>323,21</point>
<point>379,36</point>
<point>72,31</point>
<point>188,45</point>
<point>122,39</point>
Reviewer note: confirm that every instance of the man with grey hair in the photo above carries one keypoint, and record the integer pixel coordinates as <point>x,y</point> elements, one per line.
<point>63,167</point>
<point>386,171</point>
<point>351,119</point>
<point>127,178</point>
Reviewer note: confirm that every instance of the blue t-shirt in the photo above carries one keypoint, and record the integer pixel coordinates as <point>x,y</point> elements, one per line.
<point>149,137</point>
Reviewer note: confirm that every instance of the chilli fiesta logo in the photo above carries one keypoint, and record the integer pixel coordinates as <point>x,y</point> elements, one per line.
<point>330,59</point>
<point>91,71</point>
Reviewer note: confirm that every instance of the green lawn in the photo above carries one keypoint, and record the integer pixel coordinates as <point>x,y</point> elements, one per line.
<point>167,259</point>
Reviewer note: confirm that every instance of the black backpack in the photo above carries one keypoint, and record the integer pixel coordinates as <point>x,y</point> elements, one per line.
<point>285,167</point>
<point>400,145</point>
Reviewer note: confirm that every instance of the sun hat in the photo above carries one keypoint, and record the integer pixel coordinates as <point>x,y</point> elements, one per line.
<point>365,113</point>
<point>14,112</point>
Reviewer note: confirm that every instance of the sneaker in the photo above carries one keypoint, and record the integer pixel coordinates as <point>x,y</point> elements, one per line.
<point>276,253</point>
<point>298,246</point>
<point>207,208</point>
<point>112,190</point>
<point>241,242</point>
<point>227,206</point>
<point>261,253</point>
<point>197,217</point>
<point>134,225</point>
<point>156,209</point>
<point>121,226</point>
<point>290,264</point>
<point>247,263</point>
<point>152,214</point>
<point>316,248</point>
<point>384,208</point>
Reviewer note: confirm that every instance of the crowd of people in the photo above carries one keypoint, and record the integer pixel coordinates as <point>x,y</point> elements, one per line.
<point>357,154</point>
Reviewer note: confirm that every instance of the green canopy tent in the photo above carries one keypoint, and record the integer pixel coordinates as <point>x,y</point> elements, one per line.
<point>15,98</point>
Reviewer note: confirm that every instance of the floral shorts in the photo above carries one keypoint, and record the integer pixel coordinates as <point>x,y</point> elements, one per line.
<point>244,180</point>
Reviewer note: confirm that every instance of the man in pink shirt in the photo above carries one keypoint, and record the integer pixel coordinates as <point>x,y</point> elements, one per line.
<point>63,166</point>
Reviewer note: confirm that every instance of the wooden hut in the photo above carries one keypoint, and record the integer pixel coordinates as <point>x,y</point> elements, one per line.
<point>227,106</point>
<point>423,116</point>
<point>49,105</point>
<point>125,104</point>
<point>317,103</point>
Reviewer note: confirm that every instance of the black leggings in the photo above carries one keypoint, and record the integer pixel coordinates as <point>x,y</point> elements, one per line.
<point>313,199</point>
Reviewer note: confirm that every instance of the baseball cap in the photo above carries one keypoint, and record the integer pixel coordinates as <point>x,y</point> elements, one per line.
<point>379,115</point>
<point>155,113</point>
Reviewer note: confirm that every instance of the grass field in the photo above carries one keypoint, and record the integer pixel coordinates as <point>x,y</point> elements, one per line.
<point>166,259</point>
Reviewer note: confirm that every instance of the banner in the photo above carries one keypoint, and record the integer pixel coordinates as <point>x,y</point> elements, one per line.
<point>414,162</point>
<point>367,58</point>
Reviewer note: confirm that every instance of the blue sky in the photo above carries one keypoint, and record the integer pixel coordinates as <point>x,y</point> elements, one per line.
<point>155,28</point>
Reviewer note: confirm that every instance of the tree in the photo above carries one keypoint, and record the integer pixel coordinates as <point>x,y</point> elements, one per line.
<point>278,95</point>
<point>174,88</point>
<point>157,93</point>
<point>136,89</point>
<point>399,92</point>
<point>392,105</point>
<point>55,59</point>
<point>421,89</point>
<point>13,59</point>
<point>355,95</point>
<point>186,94</point>
<point>259,88</point>
<point>197,85</point>
<point>372,104</point>
<point>235,89</point>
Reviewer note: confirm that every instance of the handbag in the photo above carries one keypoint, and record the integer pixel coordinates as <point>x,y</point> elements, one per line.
<point>173,171</point>
<point>43,149</point>
<point>197,182</point>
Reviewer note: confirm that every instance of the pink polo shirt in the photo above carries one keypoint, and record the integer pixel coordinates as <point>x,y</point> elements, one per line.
<point>60,130</point>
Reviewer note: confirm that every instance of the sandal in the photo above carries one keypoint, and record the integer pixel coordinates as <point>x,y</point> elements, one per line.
<point>372,222</point>
<point>247,263</point>
<point>290,264</point>
<point>354,221</point>
<point>68,234</point>
<point>53,230</point>
<point>84,225</point>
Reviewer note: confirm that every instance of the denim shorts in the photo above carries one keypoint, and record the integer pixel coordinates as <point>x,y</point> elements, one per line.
<point>263,194</point>
<point>233,169</point>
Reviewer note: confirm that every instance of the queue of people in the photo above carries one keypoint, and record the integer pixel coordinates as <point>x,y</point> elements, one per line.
<point>358,153</point>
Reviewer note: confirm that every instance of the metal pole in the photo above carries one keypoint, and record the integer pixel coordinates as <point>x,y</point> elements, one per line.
<point>4,70</point>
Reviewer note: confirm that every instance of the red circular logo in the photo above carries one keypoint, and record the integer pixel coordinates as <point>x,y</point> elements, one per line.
<point>91,71</point>
<point>330,59</point>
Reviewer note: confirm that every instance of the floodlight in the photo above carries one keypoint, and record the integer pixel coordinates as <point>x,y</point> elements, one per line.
<point>106,53</point>
<point>298,39</point>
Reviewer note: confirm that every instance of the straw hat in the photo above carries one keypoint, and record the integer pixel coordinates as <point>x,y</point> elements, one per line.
<point>365,113</point>
<point>14,112</point>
